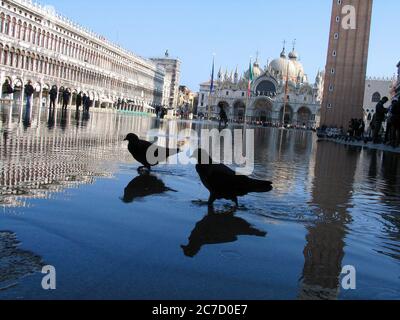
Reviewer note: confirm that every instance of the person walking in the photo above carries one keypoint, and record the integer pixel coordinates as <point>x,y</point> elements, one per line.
<point>223,118</point>
<point>78,101</point>
<point>86,103</point>
<point>7,89</point>
<point>66,97</point>
<point>53,96</point>
<point>381,112</point>
<point>29,90</point>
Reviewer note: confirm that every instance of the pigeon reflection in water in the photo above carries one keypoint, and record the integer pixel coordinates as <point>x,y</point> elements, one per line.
<point>218,228</point>
<point>143,186</point>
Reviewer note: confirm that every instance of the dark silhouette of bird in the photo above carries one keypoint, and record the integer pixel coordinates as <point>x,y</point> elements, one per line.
<point>217,228</point>
<point>139,150</point>
<point>223,182</point>
<point>143,186</point>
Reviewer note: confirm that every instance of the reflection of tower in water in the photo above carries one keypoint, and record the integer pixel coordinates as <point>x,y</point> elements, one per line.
<point>332,192</point>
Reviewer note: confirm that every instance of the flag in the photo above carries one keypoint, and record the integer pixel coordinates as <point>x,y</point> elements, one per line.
<point>212,77</point>
<point>250,79</point>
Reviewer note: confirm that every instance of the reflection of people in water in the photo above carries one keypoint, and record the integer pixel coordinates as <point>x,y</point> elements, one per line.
<point>142,186</point>
<point>63,122</point>
<point>51,120</point>
<point>216,228</point>
<point>27,118</point>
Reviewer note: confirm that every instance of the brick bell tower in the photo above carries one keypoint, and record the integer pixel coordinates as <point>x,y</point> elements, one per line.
<point>346,66</point>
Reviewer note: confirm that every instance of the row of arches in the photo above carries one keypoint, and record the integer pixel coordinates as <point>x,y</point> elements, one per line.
<point>30,61</point>
<point>101,57</point>
<point>41,96</point>
<point>263,111</point>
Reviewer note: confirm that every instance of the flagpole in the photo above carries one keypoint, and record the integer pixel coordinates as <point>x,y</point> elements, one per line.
<point>211,89</point>
<point>285,99</point>
<point>248,92</point>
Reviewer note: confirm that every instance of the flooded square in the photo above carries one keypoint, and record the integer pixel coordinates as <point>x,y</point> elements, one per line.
<point>71,197</point>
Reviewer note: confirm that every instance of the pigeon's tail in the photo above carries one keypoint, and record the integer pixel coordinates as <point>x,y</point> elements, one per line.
<point>260,186</point>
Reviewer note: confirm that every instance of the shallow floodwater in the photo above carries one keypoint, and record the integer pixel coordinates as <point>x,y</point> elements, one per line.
<point>70,196</point>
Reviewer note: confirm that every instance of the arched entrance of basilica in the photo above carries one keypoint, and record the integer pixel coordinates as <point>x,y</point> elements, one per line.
<point>288,119</point>
<point>262,110</point>
<point>304,117</point>
<point>239,110</point>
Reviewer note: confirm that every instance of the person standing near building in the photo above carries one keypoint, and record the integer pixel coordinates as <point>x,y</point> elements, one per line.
<point>29,90</point>
<point>7,89</point>
<point>53,96</point>
<point>223,118</point>
<point>66,97</point>
<point>78,101</point>
<point>86,103</point>
<point>381,112</point>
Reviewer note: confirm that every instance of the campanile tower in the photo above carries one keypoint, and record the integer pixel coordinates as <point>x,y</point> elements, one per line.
<point>346,66</point>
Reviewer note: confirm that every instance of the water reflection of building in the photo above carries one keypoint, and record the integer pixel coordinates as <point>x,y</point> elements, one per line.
<point>332,195</point>
<point>38,160</point>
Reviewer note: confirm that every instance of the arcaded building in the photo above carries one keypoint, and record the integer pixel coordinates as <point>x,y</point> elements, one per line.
<point>38,45</point>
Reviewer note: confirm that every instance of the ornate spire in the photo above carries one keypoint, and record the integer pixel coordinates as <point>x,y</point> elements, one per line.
<point>236,79</point>
<point>293,54</point>
<point>256,61</point>
<point>283,53</point>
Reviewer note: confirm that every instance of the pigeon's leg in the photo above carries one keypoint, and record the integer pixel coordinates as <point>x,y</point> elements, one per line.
<point>143,169</point>
<point>236,201</point>
<point>211,200</point>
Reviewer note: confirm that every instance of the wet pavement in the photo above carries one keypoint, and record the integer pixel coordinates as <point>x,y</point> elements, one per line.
<point>70,196</point>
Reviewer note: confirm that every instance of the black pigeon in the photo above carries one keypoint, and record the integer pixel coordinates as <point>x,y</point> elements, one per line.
<point>138,148</point>
<point>143,186</point>
<point>223,182</point>
<point>218,228</point>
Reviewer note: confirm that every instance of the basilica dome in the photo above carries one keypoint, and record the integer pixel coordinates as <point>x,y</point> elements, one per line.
<point>282,65</point>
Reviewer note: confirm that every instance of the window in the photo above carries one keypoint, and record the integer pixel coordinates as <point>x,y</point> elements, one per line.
<point>331,88</point>
<point>336,36</point>
<point>333,71</point>
<point>376,97</point>
<point>334,53</point>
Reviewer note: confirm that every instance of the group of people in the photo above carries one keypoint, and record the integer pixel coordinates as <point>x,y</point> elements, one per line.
<point>81,99</point>
<point>161,112</point>
<point>357,128</point>
<point>392,117</point>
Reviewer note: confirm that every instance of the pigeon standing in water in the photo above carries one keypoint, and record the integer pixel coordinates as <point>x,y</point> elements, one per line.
<point>138,148</point>
<point>223,182</point>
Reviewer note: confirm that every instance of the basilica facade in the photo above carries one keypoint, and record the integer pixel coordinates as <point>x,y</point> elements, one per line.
<point>281,81</point>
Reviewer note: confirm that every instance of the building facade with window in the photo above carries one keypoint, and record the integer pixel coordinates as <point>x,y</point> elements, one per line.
<point>172,78</point>
<point>268,94</point>
<point>38,45</point>
<point>375,90</point>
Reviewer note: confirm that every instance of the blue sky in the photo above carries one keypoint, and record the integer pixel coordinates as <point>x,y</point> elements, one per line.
<point>233,30</point>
